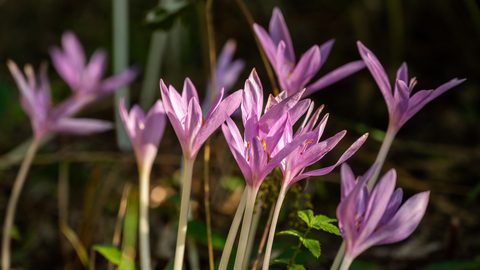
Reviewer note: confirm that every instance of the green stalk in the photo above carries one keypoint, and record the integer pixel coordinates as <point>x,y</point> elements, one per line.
<point>232,233</point>
<point>182,223</point>
<point>247,221</point>
<point>273,226</point>
<point>382,155</point>
<point>13,200</point>
<point>144,230</point>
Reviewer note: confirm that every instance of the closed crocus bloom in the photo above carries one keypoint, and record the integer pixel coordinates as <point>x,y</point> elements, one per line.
<point>144,131</point>
<point>401,104</point>
<point>293,76</point>
<point>374,218</point>
<point>185,114</point>
<point>44,117</point>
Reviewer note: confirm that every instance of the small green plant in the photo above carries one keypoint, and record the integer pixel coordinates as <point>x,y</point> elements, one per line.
<point>318,222</point>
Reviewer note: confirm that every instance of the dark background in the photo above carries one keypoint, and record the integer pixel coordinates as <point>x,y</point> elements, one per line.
<point>436,150</point>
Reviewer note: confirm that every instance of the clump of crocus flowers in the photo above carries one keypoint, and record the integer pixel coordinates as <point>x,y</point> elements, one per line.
<point>368,214</point>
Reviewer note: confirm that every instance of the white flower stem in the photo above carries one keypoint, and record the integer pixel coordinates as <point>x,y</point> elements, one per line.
<point>271,235</point>
<point>382,154</point>
<point>182,223</point>
<point>144,230</point>
<point>338,257</point>
<point>247,221</point>
<point>251,235</point>
<point>347,261</point>
<point>13,200</point>
<point>232,233</point>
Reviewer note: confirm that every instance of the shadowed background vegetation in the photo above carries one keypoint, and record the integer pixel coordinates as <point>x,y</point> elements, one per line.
<point>437,150</point>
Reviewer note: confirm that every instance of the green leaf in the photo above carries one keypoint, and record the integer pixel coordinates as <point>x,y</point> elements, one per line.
<point>110,253</point>
<point>296,267</point>
<point>312,245</point>
<point>321,222</point>
<point>328,228</point>
<point>277,261</point>
<point>291,232</point>
<point>306,216</point>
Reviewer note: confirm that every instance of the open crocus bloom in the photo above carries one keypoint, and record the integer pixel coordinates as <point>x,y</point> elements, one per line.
<point>254,152</point>
<point>368,219</point>
<point>401,105</point>
<point>85,79</point>
<point>37,104</point>
<point>145,132</point>
<point>292,76</point>
<point>185,114</point>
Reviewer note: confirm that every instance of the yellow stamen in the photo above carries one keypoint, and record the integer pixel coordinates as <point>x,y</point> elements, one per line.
<point>264,144</point>
<point>248,145</point>
<point>203,121</point>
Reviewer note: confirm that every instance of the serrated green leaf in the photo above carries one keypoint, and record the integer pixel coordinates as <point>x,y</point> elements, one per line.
<point>110,253</point>
<point>306,216</point>
<point>312,245</point>
<point>328,228</point>
<point>296,267</point>
<point>291,232</point>
<point>277,261</point>
<point>322,219</point>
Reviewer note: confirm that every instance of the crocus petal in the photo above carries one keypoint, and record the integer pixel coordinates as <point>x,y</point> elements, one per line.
<point>169,107</point>
<point>392,206</point>
<point>377,204</point>
<point>403,223</point>
<point>235,138</point>
<point>272,115</point>
<point>22,84</point>
<point>279,31</point>
<point>298,110</point>
<point>216,118</point>
<point>268,46</point>
<point>112,83</point>
<point>418,100</point>
<point>401,99</point>
<point>345,212</point>
<point>79,126</point>
<point>193,123</point>
<point>96,66</point>
<point>334,76</point>
<point>154,124</point>
<point>281,69</point>
<point>306,68</point>
<point>252,102</point>
<point>64,68</point>
<point>325,49</point>
<point>347,182</point>
<point>188,91</point>
<point>242,163</point>
<point>402,73</point>
<point>73,50</point>
<point>378,73</point>
<point>129,125</point>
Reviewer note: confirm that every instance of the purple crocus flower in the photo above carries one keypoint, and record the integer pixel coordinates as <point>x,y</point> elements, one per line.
<point>144,131</point>
<point>37,104</point>
<point>85,79</point>
<point>401,106</point>
<point>313,150</point>
<point>185,114</point>
<point>226,72</point>
<point>254,152</point>
<point>368,219</point>
<point>293,76</point>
